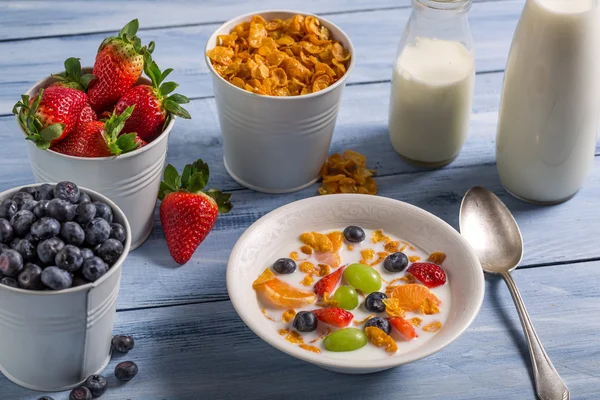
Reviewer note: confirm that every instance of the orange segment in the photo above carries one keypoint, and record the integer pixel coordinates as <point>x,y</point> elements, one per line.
<point>282,294</point>
<point>330,258</point>
<point>266,276</point>
<point>337,239</point>
<point>412,296</point>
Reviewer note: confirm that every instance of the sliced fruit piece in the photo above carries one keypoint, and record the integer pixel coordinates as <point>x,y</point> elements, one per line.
<point>266,276</point>
<point>328,283</point>
<point>337,239</point>
<point>404,328</point>
<point>331,258</point>
<point>429,274</point>
<point>412,295</point>
<point>282,294</point>
<point>334,316</point>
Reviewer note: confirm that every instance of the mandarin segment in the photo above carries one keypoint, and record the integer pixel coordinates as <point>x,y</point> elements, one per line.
<point>337,239</point>
<point>411,296</point>
<point>284,295</point>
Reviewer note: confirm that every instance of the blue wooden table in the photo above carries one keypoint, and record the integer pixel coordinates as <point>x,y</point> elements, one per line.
<point>190,343</point>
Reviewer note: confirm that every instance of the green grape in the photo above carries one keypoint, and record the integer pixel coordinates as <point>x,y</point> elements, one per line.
<point>347,339</point>
<point>362,277</point>
<point>346,297</point>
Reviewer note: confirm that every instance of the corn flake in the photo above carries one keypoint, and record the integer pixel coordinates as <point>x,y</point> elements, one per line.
<point>378,236</point>
<point>392,247</point>
<point>328,301</point>
<point>433,327</point>
<point>416,321</point>
<point>291,336</point>
<point>294,255</point>
<point>337,239</point>
<point>357,323</point>
<point>414,258</point>
<point>367,255</point>
<point>310,348</point>
<point>308,280</point>
<point>288,315</point>
<point>324,269</point>
<point>381,339</point>
<point>428,307</point>
<point>437,257</point>
<point>317,241</point>
<point>393,309</point>
<point>346,173</point>
<point>306,249</point>
<point>264,312</point>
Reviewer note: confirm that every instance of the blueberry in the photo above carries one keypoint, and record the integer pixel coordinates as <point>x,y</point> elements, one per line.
<point>305,321</point>
<point>48,249</point>
<point>83,197</point>
<point>66,191</point>
<point>103,211</point>
<point>14,242</point>
<point>26,249</point>
<point>8,208</point>
<point>85,213</point>
<point>97,231</point>
<point>93,269</point>
<point>72,233</point>
<point>3,248</point>
<point>6,231</point>
<point>29,205</point>
<point>396,262</point>
<point>45,398</point>
<point>285,266</point>
<point>354,234</point>
<point>21,222</point>
<point>97,385</point>
<point>117,232</point>
<point>56,278</point>
<point>32,239</point>
<point>21,197</point>
<point>45,228</point>
<point>126,371</point>
<point>61,210</point>
<point>380,323</point>
<point>31,277</point>
<point>11,262</point>
<point>110,251</point>
<point>122,343</point>
<point>374,302</point>
<point>80,393</point>
<point>7,281</point>
<point>69,258</point>
<point>79,281</point>
<point>86,253</point>
<point>41,209</point>
<point>29,189</point>
<point>45,192</point>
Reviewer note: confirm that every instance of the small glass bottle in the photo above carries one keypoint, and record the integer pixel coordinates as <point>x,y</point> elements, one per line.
<point>433,83</point>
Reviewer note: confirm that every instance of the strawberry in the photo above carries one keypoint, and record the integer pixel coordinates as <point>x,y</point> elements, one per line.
<point>188,213</point>
<point>153,108</point>
<point>337,317</point>
<point>141,142</point>
<point>98,138</point>
<point>72,77</point>
<point>51,115</point>
<point>328,283</point>
<point>87,114</point>
<point>404,328</point>
<point>429,274</point>
<point>119,64</point>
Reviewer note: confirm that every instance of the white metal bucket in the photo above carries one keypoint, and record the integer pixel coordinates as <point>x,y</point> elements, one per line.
<point>52,341</point>
<point>276,144</point>
<point>131,180</point>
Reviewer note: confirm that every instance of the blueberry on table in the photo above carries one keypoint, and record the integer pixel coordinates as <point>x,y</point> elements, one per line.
<point>374,302</point>
<point>284,266</point>
<point>117,232</point>
<point>110,251</point>
<point>61,210</point>
<point>45,228</point>
<point>86,253</point>
<point>26,249</point>
<point>66,191</point>
<point>80,393</point>
<point>31,277</point>
<point>8,281</point>
<point>21,222</point>
<point>40,209</point>
<point>354,234</point>
<point>380,323</point>
<point>103,211</point>
<point>21,197</point>
<point>85,213</point>
<point>396,262</point>
<point>97,384</point>
<point>72,233</point>
<point>93,269</point>
<point>31,190</point>
<point>8,208</point>
<point>6,231</point>
<point>126,371</point>
<point>97,231</point>
<point>29,205</point>
<point>69,258</point>
<point>48,249</point>
<point>122,343</point>
<point>83,197</point>
<point>56,279</point>
<point>45,192</point>
<point>11,262</point>
<point>305,321</point>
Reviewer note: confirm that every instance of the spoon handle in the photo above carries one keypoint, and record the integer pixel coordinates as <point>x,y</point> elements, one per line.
<point>548,384</point>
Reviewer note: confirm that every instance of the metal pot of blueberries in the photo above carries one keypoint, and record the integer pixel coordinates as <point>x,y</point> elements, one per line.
<point>61,252</point>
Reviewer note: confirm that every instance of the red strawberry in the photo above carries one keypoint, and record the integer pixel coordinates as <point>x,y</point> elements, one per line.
<point>52,115</point>
<point>404,328</point>
<point>98,138</point>
<point>153,108</point>
<point>334,316</point>
<point>72,77</point>
<point>87,114</point>
<point>188,213</point>
<point>429,274</point>
<point>119,64</point>
<point>141,142</point>
<point>328,283</point>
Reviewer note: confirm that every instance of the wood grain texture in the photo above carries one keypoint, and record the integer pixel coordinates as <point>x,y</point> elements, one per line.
<point>375,35</point>
<point>206,352</point>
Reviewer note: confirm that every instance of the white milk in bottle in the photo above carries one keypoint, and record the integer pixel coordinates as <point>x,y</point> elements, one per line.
<point>433,82</point>
<point>549,114</point>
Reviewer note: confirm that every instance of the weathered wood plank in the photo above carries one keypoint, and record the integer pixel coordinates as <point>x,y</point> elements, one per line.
<point>375,35</point>
<point>206,352</point>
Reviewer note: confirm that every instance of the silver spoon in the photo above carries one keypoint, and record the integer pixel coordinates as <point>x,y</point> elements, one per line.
<point>489,227</point>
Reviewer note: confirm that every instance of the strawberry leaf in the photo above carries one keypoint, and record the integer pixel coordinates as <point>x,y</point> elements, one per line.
<point>86,79</point>
<point>176,109</point>
<point>197,182</point>
<point>129,30</point>
<point>185,177</point>
<point>179,98</point>
<point>150,48</point>
<point>52,132</point>
<point>73,68</point>
<point>170,177</point>
<point>222,200</point>
<point>127,143</point>
<point>164,74</point>
<point>200,166</point>
<point>164,190</point>
<point>167,87</point>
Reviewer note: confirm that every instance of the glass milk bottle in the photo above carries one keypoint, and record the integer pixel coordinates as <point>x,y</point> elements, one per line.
<point>432,83</point>
<point>548,119</point>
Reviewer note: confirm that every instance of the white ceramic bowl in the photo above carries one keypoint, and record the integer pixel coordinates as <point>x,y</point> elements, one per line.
<point>276,144</point>
<point>261,242</point>
<point>54,340</point>
<point>131,180</point>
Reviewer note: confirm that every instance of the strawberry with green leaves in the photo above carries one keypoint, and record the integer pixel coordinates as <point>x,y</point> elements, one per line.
<point>119,64</point>
<point>73,77</point>
<point>99,138</point>
<point>187,212</point>
<point>155,104</point>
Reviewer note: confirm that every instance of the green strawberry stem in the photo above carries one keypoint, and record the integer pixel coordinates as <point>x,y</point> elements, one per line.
<point>128,35</point>
<point>32,125</point>
<point>170,103</point>
<point>119,144</point>
<point>73,75</point>
<point>193,180</point>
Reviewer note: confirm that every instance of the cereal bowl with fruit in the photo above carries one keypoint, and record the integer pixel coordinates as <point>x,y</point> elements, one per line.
<point>61,252</point>
<point>355,284</point>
